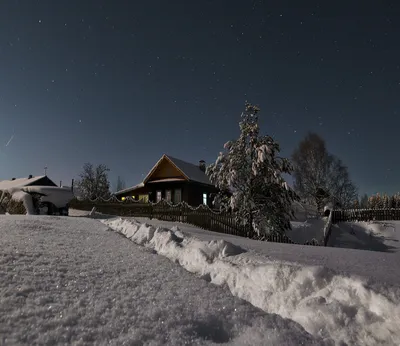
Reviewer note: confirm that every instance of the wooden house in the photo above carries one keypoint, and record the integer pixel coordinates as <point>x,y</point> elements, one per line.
<point>175,181</point>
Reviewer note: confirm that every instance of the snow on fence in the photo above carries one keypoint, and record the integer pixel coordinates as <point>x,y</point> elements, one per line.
<point>365,215</point>
<point>201,216</point>
<point>328,229</point>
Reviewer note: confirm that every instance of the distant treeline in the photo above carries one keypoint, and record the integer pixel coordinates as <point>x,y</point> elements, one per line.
<point>378,201</point>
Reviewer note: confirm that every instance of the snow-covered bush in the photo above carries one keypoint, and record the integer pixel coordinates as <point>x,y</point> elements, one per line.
<point>249,176</point>
<point>10,205</point>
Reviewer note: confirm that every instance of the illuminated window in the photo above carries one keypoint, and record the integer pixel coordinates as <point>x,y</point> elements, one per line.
<point>158,196</point>
<point>123,198</point>
<point>133,197</point>
<point>144,198</point>
<point>204,198</point>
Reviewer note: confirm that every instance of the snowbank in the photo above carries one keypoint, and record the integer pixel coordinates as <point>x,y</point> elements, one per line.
<point>328,305</point>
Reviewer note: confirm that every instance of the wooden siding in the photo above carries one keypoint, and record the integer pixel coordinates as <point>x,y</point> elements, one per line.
<point>191,192</point>
<point>166,170</point>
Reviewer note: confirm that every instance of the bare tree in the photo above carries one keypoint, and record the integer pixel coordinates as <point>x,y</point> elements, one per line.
<point>320,177</point>
<point>120,185</point>
<point>94,181</point>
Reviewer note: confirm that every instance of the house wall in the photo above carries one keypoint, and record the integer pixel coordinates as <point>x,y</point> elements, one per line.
<point>195,194</point>
<point>192,193</point>
<point>163,187</point>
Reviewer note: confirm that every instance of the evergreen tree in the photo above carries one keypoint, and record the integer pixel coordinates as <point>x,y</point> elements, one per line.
<point>392,202</point>
<point>372,202</point>
<point>364,201</point>
<point>385,201</point>
<point>396,200</point>
<point>249,176</point>
<point>379,201</point>
<point>120,185</point>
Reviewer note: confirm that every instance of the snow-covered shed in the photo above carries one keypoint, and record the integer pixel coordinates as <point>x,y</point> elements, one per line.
<point>42,180</point>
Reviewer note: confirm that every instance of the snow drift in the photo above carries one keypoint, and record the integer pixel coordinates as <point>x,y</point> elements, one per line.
<point>337,308</point>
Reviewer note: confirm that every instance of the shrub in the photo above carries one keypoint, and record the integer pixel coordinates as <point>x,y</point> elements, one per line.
<point>10,205</point>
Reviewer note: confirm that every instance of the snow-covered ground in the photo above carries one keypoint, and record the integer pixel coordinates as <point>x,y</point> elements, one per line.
<point>72,281</point>
<point>340,308</point>
<point>376,236</point>
<point>303,231</point>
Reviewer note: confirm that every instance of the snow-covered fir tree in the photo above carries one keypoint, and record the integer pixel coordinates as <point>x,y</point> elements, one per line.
<point>385,201</point>
<point>249,176</point>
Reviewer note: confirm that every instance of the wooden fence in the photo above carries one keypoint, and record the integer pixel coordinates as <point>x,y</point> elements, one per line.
<point>201,216</point>
<point>365,215</point>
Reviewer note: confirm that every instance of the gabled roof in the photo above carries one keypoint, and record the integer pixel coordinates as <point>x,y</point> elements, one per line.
<point>190,170</point>
<point>9,184</point>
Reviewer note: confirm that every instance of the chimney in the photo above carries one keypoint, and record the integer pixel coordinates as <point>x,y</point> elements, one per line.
<point>30,176</point>
<point>202,165</point>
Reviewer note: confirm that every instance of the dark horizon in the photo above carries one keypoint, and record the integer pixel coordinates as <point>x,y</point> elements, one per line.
<point>123,83</point>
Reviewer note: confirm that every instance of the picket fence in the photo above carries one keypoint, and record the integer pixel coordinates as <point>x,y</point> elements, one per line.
<point>201,216</point>
<point>365,215</point>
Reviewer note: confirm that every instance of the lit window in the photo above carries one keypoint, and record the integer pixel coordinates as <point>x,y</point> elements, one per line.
<point>204,198</point>
<point>123,198</point>
<point>159,196</point>
<point>133,197</point>
<point>144,198</point>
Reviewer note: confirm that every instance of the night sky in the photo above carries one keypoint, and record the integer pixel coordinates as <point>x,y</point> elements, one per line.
<point>123,82</point>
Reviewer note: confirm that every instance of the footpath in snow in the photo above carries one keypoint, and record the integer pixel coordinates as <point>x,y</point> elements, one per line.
<point>66,280</point>
<point>338,308</point>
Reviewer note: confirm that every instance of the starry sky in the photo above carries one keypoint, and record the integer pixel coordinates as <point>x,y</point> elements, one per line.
<point>123,82</point>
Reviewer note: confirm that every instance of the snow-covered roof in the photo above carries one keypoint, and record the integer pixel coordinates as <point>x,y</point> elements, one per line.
<point>130,189</point>
<point>192,171</point>
<point>9,184</point>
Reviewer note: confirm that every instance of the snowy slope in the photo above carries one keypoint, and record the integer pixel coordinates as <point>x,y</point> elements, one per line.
<point>307,230</point>
<point>72,281</point>
<point>376,236</point>
<point>339,308</point>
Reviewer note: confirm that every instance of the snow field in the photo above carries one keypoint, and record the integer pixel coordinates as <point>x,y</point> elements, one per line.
<point>70,280</point>
<point>337,308</point>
